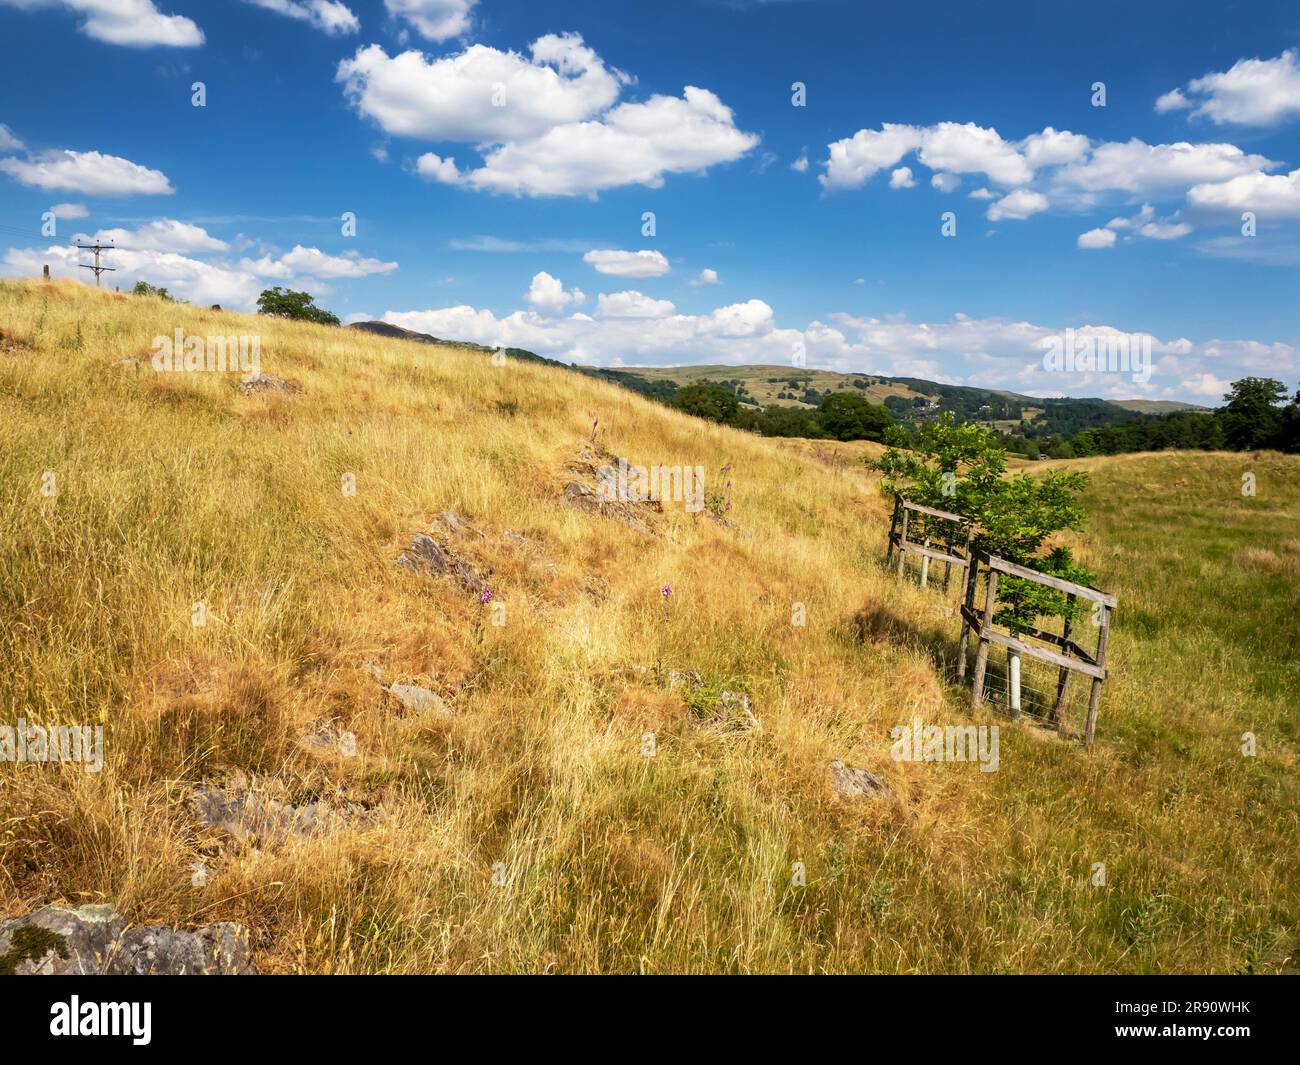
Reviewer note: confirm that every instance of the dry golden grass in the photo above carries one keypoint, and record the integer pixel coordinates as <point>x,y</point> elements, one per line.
<point>176,489</point>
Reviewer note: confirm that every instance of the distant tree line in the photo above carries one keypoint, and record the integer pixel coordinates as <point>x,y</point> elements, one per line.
<point>1257,413</point>
<point>838,415</point>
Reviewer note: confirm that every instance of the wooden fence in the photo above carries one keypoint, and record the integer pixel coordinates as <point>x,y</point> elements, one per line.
<point>952,556</point>
<point>1068,655</point>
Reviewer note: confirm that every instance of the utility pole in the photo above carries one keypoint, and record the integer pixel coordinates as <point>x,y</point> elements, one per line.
<point>97,248</point>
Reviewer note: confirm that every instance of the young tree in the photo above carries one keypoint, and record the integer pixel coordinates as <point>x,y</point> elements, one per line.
<point>944,465</point>
<point>297,305</point>
<point>961,468</point>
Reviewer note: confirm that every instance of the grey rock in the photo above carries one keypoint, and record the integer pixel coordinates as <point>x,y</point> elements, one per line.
<point>850,783</point>
<point>265,382</point>
<point>737,709</point>
<point>584,497</point>
<point>421,700</point>
<point>219,949</point>
<point>95,940</point>
<point>454,522</point>
<point>427,556</point>
<point>247,813</point>
<point>689,677</point>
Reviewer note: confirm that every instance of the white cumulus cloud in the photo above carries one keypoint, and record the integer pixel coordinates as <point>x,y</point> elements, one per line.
<point>435,20</point>
<point>1097,238</point>
<point>1019,204</point>
<point>433,167</point>
<point>164,234</point>
<point>1138,168</point>
<point>481,95</point>
<point>134,23</point>
<point>628,263</point>
<point>902,178</point>
<point>90,173</point>
<point>1254,92</point>
<point>948,147</point>
<point>331,16</point>
<point>632,305</point>
<point>1270,196</point>
<point>546,124</point>
<point>312,262</point>
<point>548,293</point>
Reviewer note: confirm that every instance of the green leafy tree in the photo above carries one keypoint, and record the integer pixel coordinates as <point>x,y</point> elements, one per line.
<point>845,416</point>
<point>961,468</point>
<point>1015,521</point>
<point>296,305</point>
<point>143,288</point>
<point>943,464</point>
<point>1252,414</point>
<point>707,400</point>
<point>1289,432</point>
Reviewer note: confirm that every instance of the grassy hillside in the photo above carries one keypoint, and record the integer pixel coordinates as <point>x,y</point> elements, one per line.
<point>175,489</point>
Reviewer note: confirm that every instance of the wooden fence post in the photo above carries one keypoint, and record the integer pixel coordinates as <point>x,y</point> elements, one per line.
<point>982,655</point>
<point>902,554</point>
<point>972,574</point>
<point>1095,700</point>
<point>1063,681</point>
<point>893,527</point>
<point>966,550</point>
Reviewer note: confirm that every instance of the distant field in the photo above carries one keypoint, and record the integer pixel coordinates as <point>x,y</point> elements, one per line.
<point>764,383</point>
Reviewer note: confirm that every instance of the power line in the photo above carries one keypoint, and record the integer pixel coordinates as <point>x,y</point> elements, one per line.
<point>18,232</point>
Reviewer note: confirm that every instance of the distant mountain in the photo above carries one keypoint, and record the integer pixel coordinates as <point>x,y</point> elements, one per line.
<point>396,332</point>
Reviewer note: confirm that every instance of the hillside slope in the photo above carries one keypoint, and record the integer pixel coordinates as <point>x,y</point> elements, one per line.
<point>527,829</point>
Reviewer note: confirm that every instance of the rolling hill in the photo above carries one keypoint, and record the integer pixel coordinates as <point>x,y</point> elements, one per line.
<point>250,582</point>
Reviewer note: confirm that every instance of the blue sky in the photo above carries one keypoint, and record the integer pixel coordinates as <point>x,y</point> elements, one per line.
<point>499,157</point>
